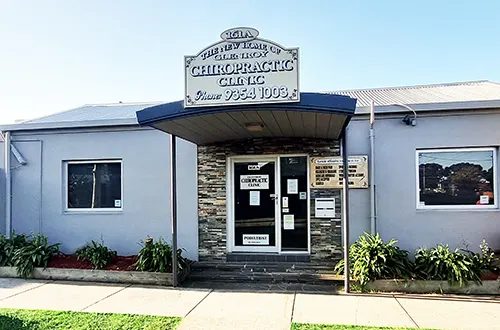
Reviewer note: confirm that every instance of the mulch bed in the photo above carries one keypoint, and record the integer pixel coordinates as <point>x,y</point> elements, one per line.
<point>70,261</point>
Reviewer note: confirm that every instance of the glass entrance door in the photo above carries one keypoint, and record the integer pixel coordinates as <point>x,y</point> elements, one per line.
<point>294,204</point>
<point>270,203</point>
<point>255,206</point>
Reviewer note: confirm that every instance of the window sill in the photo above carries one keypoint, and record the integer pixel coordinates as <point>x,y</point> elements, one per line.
<point>92,212</point>
<point>465,209</point>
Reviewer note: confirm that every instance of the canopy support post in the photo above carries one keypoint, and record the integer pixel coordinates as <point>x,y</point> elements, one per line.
<point>173,207</point>
<point>345,218</point>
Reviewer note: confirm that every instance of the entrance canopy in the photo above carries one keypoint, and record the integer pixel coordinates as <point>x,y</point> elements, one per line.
<point>316,116</point>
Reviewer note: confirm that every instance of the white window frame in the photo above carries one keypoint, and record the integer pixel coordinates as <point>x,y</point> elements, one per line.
<point>90,210</point>
<point>457,207</point>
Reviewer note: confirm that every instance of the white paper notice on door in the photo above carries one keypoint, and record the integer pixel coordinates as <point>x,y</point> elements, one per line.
<point>288,222</point>
<point>254,182</point>
<point>254,198</point>
<point>285,202</point>
<point>250,239</point>
<point>292,186</point>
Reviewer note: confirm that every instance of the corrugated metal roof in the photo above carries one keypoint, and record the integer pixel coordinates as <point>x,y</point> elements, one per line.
<point>450,96</point>
<point>97,112</point>
<point>470,91</point>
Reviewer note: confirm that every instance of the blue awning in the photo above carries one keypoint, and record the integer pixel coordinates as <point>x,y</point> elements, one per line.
<point>316,115</point>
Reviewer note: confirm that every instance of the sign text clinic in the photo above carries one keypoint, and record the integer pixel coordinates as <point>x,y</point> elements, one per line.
<point>239,71</point>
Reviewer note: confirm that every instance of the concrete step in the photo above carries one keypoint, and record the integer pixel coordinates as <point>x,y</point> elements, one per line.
<point>266,272</point>
<point>263,266</point>
<point>272,277</point>
<point>323,288</point>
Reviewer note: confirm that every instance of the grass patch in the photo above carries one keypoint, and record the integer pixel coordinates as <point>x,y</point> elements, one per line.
<point>300,326</point>
<point>23,319</point>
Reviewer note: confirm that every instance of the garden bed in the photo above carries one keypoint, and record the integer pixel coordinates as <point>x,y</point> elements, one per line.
<point>118,263</point>
<point>490,287</point>
<point>34,257</point>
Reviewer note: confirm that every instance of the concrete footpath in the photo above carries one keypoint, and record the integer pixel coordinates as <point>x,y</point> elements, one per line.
<point>212,309</point>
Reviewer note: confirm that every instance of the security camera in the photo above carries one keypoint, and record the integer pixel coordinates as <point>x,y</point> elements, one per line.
<point>409,120</point>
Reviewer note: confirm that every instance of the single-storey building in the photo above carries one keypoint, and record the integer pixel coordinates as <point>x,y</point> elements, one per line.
<point>260,180</point>
<point>92,173</point>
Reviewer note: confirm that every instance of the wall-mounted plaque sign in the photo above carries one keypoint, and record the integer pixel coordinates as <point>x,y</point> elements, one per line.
<point>242,69</point>
<point>328,172</point>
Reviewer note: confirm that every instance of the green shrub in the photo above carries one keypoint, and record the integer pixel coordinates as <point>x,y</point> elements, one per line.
<point>157,257</point>
<point>96,253</point>
<point>440,263</point>
<point>32,251</point>
<point>8,246</point>
<point>484,261</point>
<point>371,258</point>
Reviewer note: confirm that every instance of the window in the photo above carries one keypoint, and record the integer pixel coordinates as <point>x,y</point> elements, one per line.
<point>457,178</point>
<point>94,185</point>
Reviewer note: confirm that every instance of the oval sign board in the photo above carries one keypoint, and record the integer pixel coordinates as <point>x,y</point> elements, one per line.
<point>240,34</point>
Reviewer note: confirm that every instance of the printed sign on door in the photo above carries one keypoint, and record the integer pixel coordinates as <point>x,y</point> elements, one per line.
<point>254,182</point>
<point>255,239</point>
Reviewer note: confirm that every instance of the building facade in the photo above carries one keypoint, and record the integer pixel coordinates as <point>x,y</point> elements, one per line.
<point>443,207</point>
<point>259,166</point>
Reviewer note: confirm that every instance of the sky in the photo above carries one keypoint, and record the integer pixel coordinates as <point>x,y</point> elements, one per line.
<point>57,55</point>
<point>446,159</point>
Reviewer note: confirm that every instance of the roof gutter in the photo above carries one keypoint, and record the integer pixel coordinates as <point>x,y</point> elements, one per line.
<point>430,107</point>
<point>69,124</point>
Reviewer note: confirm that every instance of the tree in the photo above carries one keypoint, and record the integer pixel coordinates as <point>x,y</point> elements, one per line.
<point>431,175</point>
<point>488,175</point>
<point>466,177</point>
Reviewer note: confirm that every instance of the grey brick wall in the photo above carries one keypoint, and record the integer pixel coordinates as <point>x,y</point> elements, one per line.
<point>325,233</point>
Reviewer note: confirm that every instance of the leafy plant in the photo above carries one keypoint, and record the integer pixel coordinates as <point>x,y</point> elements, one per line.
<point>440,263</point>
<point>35,251</point>
<point>8,246</point>
<point>157,257</point>
<point>371,258</point>
<point>96,253</point>
<point>484,261</point>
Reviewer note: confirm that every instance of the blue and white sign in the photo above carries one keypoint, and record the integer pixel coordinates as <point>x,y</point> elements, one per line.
<point>242,69</point>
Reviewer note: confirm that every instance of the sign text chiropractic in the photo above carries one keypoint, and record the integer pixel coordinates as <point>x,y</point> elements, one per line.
<point>242,69</point>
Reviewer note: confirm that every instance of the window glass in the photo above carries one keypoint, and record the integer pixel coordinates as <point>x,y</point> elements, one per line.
<point>456,177</point>
<point>94,185</point>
